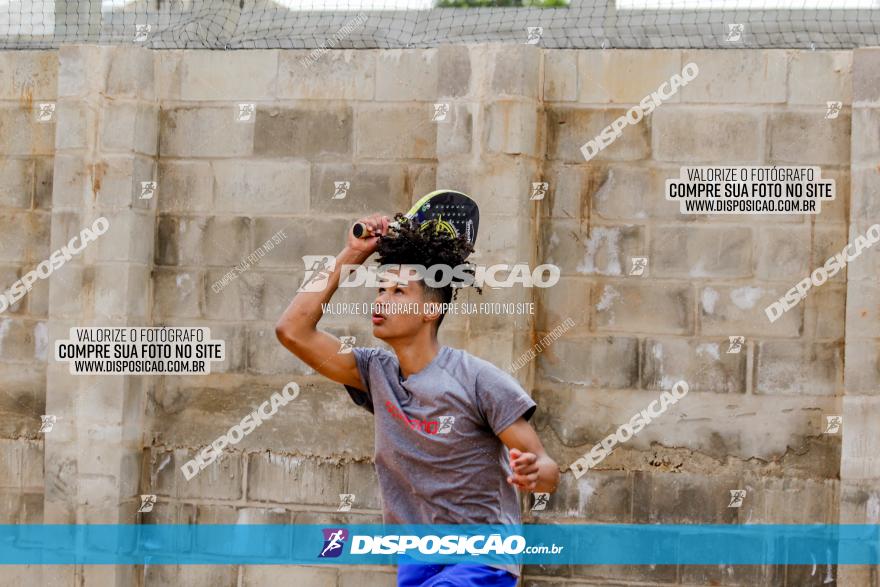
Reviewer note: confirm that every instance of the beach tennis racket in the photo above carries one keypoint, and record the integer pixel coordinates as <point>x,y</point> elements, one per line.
<point>455,212</point>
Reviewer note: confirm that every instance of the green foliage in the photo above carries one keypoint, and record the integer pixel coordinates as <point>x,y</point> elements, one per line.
<point>546,3</point>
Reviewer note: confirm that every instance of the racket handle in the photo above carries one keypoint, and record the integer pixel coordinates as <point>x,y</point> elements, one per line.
<point>359,230</point>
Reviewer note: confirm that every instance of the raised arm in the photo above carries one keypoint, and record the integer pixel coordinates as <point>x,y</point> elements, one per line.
<point>297,327</point>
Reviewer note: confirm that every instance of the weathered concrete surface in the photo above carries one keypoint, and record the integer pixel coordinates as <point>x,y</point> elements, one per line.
<point>516,115</point>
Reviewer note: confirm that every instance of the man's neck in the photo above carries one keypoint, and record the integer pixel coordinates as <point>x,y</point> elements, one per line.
<point>415,355</point>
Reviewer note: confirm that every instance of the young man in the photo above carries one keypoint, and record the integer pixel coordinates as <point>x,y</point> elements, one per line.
<point>451,434</point>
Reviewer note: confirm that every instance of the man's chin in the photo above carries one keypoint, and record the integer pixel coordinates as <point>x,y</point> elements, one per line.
<point>384,333</point>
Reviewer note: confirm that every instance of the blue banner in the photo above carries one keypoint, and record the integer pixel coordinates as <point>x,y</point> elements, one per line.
<point>564,544</point>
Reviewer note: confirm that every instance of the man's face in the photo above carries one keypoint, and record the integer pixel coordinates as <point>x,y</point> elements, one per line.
<point>400,305</point>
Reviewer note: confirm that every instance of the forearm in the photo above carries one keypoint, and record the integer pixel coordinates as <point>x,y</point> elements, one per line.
<point>548,475</point>
<point>305,311</point>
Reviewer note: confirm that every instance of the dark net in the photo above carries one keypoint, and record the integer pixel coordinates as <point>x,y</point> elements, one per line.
<point>311,24</point>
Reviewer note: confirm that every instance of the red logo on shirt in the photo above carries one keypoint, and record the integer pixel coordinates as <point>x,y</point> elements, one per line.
<point>429,427</point>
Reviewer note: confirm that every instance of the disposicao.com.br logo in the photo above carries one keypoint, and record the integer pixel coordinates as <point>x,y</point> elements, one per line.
<point>454,544</point>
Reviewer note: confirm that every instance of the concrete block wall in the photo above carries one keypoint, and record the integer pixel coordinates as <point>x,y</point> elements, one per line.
<point>752,420</point>
<point>27,79</point>
<point>517,115</point>
<point>860,465</point>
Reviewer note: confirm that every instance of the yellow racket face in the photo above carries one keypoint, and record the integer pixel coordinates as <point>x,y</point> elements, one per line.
<point>454,213</point>
<point>441,226</point>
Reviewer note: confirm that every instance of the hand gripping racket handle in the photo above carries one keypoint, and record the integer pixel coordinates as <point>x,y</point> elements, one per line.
<point>359,230</point>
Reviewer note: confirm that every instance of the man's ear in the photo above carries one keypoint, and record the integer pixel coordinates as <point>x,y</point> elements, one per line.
<point>431,311</point>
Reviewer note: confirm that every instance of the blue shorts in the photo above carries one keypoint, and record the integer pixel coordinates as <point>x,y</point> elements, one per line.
<point>453,576</point>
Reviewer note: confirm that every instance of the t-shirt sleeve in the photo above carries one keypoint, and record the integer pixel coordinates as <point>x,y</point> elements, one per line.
<point>363,356</point>
<point>501,399</point>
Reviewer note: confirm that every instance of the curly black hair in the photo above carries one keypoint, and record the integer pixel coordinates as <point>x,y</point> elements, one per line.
<point>415,243</point>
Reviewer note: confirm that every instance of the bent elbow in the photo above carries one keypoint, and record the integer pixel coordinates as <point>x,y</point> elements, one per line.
<point>284,334</point>
<point>292,336</point>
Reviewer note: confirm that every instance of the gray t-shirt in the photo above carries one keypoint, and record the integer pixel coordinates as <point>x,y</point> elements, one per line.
<point>438,457</point>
